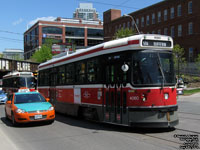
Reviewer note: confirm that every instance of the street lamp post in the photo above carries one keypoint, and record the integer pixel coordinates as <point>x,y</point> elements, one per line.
<point>133,21</point>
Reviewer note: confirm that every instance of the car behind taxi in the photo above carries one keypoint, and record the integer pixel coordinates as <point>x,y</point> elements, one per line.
<point>23,107</point>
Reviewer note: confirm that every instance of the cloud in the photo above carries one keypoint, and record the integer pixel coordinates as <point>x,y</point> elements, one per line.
<point>50,18</point>
<point>20,20</point>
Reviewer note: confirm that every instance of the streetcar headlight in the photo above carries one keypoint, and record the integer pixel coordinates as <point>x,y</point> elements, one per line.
<point>51,108</point>
<point>166,95</point>
<point>143,98</point>
<point>20,111</point>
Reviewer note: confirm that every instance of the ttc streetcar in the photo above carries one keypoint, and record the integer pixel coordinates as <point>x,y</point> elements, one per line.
<point>129,81</point>
<point>15,80</point>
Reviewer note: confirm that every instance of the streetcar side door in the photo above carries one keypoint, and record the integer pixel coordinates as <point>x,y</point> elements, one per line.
<point>113,90</point>
<point>53,82</point>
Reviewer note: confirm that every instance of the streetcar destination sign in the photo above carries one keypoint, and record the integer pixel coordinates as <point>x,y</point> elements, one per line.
<point>156,43</point>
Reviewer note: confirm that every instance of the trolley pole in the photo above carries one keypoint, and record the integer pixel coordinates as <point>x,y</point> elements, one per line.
<point>133,22</point>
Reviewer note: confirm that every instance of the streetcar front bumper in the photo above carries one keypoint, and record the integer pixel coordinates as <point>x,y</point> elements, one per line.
<point>153,117</point>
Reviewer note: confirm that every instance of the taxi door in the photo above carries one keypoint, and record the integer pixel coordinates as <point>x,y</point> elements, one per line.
<point>8,105</point>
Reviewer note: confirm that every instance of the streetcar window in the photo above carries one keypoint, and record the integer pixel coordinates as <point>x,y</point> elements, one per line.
<point>53,76</point>
<point>168,67</point>
<point>152,68</point>
<point>61,75</point>
<point>69,74</point>
<point>21,82</point>
<point>92,70</point>
<point>30,82</point>
<point>46,77</point>
<point>80,72</point>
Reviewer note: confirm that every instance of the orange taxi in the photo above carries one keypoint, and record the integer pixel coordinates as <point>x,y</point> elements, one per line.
<point>23,107</point>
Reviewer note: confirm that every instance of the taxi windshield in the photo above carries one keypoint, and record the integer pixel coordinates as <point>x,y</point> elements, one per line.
<point>29,98</point>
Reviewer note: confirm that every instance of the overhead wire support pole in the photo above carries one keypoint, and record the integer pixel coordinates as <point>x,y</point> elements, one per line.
<point>133,20</point>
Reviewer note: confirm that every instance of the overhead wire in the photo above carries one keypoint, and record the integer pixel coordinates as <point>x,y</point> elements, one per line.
<point>103,3</point>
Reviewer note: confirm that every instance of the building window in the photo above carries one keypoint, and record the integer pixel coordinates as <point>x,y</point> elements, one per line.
<point>71,31</point>
<point>159,31</point>
<point>147,21</point>
<point>191,53</point>
<point>128,25</point>
<point>133,25</point>
<point>116,28</point>
<point>190,28</point>
<point>153,18</point>
<point>124,25</point>
<point>179,10</point>
<point>137,22</point>
<point>172,31</point>
<point>142,22</point>
<point>165,15</point>
<point>190,7</point>
<point>51,30</point>
<point>172,13</point>
<point>159,16</point>
<point>165,31</point>
<point>95,33</point>
<point>179,30</point>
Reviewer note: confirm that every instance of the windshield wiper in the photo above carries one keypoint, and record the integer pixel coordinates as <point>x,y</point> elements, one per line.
<point>161,70</point>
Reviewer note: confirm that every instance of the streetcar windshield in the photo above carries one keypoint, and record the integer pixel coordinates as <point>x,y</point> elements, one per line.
<point>153,68</point>
<point>30,82</point>
<point>26,82</point>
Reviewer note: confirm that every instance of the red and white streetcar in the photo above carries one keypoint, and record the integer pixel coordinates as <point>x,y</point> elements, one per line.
<point>15,80</point>
<point>129,81</point>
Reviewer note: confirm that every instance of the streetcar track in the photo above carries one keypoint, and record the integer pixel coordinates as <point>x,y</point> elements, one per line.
<point>188,130</point>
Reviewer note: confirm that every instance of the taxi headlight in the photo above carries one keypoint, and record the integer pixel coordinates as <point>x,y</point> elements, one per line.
<point>20,111</point>
<point>51,108</point>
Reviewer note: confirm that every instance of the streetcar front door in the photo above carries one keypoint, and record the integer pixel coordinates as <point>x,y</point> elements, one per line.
<point>52,90</point>
<point>113,93</point>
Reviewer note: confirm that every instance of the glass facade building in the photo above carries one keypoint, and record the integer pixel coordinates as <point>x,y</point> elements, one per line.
<point>79,33</point>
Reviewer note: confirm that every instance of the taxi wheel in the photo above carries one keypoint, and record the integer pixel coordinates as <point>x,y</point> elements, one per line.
<point>13,120</point>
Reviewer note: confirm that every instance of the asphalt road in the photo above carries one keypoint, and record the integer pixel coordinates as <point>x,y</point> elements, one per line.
<point>69,133</point>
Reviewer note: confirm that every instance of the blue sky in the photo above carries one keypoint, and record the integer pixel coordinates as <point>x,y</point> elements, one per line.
<point>17,15</point>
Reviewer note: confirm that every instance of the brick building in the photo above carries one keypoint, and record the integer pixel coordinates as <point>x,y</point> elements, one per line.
<point>81,33</point>
<point>177,18</point>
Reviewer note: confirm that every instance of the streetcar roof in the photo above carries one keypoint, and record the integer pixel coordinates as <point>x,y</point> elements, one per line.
<point>16,73</point>
<point>135,42</point>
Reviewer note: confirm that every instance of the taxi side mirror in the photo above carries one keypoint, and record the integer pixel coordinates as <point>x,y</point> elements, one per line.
<point>47,99</point>
<point>8,102</point>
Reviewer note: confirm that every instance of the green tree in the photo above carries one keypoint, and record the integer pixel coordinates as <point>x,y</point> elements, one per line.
<point>44,53</point>
<point>121,33</point>
<point>179,59</point>
<point>198,62</point>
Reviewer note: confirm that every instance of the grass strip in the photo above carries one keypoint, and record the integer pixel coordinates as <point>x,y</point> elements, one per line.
<point>192,91</point>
